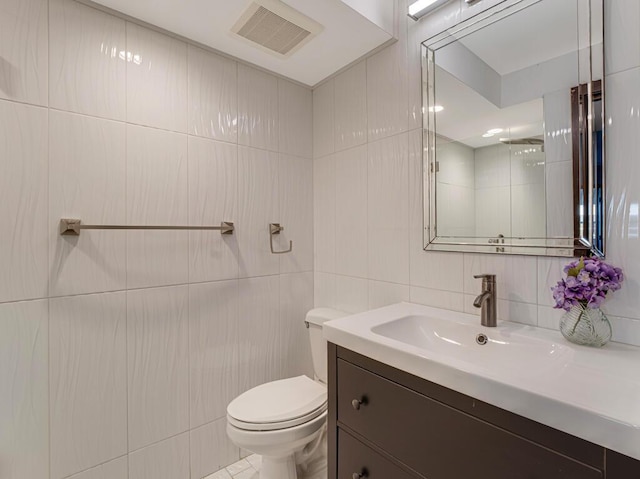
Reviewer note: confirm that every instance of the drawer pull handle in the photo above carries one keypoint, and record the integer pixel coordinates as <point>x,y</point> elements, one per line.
<point>360,475</point>
<point>356,403</point>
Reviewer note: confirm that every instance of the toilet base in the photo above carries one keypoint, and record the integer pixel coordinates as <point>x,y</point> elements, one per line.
<point>278,468</point>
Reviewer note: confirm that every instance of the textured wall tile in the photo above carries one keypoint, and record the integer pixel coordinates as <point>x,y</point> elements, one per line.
<point>296,213</point>
<point>324,213</point>
<point>387,89</point>
<point>213,197</point>
<point>257,108</point>
<point>437,298</point>
<point>622,35</point>
<point>213,96</point>
<point>258,193</point>
<point>351,107</point>
<point>23,204</point>
<point>352,294</point>
<point>351,212</point>
<point>87,181</point>
<point>158,364</point>
<point>116,469</point>
<point>24,398</point>
<point>156,194</point>
<point>23,50</point>
<point>87,60</point>
<point>388,210</point>
<point>211,449</point>
<point>382,293</point>
<point>623,192</point>
<point>156,79</point>
<point>324,290</point>
<point>88,381</point>
<point>295,110</point>
<point>323,120</point>
<point>296,299</point>
<point>164,460</point>
<point>213,349</point>
<point>259,334</point>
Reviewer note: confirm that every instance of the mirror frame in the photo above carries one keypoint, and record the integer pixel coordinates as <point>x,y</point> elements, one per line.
<point>589,242</point>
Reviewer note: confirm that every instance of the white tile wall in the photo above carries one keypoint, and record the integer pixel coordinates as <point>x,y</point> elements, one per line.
<point>130,373</point>
<point>324,213</point>
<point>24,397</point>
<point>168,459</point>
<point>213,349</point>
<point>158,364</point>
<point>24,30</point>
<point>445,279</point>
<point>23,183</point>
<point>156,195</point>
<point>87,177</point>
<point>296,298</point>
<point>156,79</point>
<point>116,469</point>
<point>388,209</point>
<point>260,333</point>
<point>295,106</point>
<point>88,381</point>
<point>257,109</point>
<point>296,212</point>
<point>213,181</point>
<point>323,119</point>
<point>87,60</point>
<point>350,107</point>
<point>213,96</point>
<point>351,228</point>
<point>387,88</point>
<point>258,201</point>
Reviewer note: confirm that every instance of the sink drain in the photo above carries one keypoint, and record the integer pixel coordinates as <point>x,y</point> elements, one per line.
<point>482,339</point>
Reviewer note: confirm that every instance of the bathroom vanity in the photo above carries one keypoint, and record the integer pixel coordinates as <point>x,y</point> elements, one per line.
<point>387,422</point>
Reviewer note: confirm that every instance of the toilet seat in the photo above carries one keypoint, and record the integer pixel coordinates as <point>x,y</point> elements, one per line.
<point>278,405</point>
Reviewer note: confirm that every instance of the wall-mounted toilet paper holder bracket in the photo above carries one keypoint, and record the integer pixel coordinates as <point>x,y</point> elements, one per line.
<point>275,229</point>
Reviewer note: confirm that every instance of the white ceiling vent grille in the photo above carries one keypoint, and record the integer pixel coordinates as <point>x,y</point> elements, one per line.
<point>275,27</point>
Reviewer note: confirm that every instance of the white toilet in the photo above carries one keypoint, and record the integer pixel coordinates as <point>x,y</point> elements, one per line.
<point>284,421</point>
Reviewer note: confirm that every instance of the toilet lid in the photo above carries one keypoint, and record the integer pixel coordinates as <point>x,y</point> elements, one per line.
<point>278,404</point>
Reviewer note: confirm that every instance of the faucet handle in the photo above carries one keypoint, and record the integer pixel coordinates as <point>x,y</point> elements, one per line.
<point>486,277</point>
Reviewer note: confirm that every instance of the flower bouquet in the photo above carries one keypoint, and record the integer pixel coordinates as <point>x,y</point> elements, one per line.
<point>581,294</point>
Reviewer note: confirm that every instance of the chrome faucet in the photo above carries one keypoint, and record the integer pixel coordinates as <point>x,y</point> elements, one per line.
<point>487,300</point>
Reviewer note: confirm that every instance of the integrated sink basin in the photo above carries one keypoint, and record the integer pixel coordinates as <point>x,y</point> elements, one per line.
<point>590,393</point>
<point>485,347</point>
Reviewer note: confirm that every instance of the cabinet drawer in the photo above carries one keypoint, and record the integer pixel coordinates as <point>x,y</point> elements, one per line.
<point>431,437</point>
<point>355,458</point>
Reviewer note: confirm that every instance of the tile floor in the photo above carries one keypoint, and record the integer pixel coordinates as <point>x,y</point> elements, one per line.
<point>246,468</point>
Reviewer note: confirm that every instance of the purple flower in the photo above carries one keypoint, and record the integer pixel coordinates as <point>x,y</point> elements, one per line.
<point>587,283</point>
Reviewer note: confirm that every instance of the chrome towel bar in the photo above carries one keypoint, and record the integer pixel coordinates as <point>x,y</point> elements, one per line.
<point>72,226</point>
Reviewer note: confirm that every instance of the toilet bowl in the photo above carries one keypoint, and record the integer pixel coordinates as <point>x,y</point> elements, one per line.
<point>284,421</point>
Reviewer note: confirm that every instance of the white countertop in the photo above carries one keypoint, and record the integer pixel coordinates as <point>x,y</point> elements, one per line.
<point>590,393</point>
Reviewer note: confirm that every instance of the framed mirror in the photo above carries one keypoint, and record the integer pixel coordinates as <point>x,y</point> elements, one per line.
<point>513,118</point>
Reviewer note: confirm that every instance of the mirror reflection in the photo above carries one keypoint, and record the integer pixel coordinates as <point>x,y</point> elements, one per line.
<point>513,120</point>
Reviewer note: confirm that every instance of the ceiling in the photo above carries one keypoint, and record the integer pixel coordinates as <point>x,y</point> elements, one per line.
<point>351,29</point>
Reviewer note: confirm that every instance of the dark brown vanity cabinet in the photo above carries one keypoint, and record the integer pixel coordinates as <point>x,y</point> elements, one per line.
<point>388,424</point>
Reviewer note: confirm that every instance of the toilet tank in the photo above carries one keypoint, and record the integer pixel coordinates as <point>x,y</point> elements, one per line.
<point>314,320</point>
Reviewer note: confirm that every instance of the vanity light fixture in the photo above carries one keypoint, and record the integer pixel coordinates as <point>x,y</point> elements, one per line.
<point>421,7</point>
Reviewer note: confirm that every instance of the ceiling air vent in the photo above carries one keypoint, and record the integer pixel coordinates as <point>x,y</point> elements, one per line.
<point>275,27</point>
